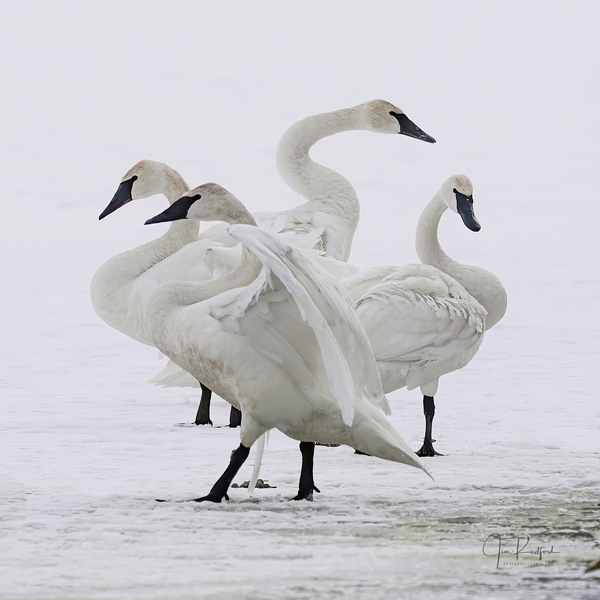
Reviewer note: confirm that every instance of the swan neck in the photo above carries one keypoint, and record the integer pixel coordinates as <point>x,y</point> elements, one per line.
<point>326,190</point>
<point>427,244</point>
<point>175,186</point>
<point>246,271</point>
<point>114,281</point>
<point>186,231</point>
<point>483,285</point>
<point>301,136</point>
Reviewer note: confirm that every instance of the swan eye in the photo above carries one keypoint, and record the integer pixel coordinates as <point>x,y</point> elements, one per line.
<point>463,195</point>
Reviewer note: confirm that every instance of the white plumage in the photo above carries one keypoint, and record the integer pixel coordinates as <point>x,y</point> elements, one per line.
<point>426,320</point>
<point>422,324</point>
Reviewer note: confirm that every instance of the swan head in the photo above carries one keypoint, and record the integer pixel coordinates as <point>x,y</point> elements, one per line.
<point>146,178</point>
<point>381,116</point>
<point>457,193</point>
<point>207,202</point>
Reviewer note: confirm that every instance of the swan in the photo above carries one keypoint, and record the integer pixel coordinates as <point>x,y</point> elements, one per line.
<point>276,338</point>
<point>121,286</point>
<point>332,202</point>
<point>426,320</point>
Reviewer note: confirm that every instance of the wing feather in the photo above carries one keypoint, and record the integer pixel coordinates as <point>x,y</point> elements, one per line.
<point>350,365</point>
<point>423,321</point>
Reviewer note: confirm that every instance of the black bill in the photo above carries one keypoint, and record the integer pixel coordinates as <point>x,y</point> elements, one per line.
<point>122,196</point>
<point>407,127</point>
<point>464,204</point>
<point>177,211</point>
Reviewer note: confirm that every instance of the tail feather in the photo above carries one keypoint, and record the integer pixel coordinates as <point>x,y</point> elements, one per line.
<point>373,434</point>
<point>173,375</point>
<point>260,449</point>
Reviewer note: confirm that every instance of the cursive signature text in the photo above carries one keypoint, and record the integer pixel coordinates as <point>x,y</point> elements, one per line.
<point>496,546</point>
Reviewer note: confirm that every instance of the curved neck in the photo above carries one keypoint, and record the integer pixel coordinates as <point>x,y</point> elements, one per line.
<point>180,233</point>
<point>326,190</point>
<point>427,244</point>
<point>175,186</point>
<point>111,283</point>
<point>483,285</point>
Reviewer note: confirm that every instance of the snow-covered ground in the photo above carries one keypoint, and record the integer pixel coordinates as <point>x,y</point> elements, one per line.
<point>509,90</point>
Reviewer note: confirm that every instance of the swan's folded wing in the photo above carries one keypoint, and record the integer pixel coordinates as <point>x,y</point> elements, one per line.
<point>360,283</point>
<point>428,329</point>
<point>323,304</point>
<point>187,264</point>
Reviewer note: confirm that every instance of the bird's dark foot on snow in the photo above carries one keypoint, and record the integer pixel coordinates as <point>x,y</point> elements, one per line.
<point>427,449</point>
<point>306,494</point>
<point>211,498</point>
<point>203,422</point>
<point>359,452</point>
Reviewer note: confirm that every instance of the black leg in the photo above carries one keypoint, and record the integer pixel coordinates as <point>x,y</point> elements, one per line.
<point>429,410</point>
<point>219,490</point>
<point>203,414</point>
<point>235,417</point>
<point>307,483</point>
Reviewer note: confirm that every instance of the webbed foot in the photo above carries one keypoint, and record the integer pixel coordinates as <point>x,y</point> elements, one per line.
<point>306,494</point>
<point>217,498</point>
<point>427,449</point>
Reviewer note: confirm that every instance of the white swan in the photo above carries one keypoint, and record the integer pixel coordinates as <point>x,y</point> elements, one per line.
<point>427,320</point>
<point>121,286</point>
<point>332,202</point>
<point>285,347</point>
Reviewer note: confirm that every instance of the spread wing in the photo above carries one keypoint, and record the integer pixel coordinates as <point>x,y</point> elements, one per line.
<point>322,304</point>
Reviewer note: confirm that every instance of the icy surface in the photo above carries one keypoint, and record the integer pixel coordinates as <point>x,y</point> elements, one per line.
<point>510,91</point>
